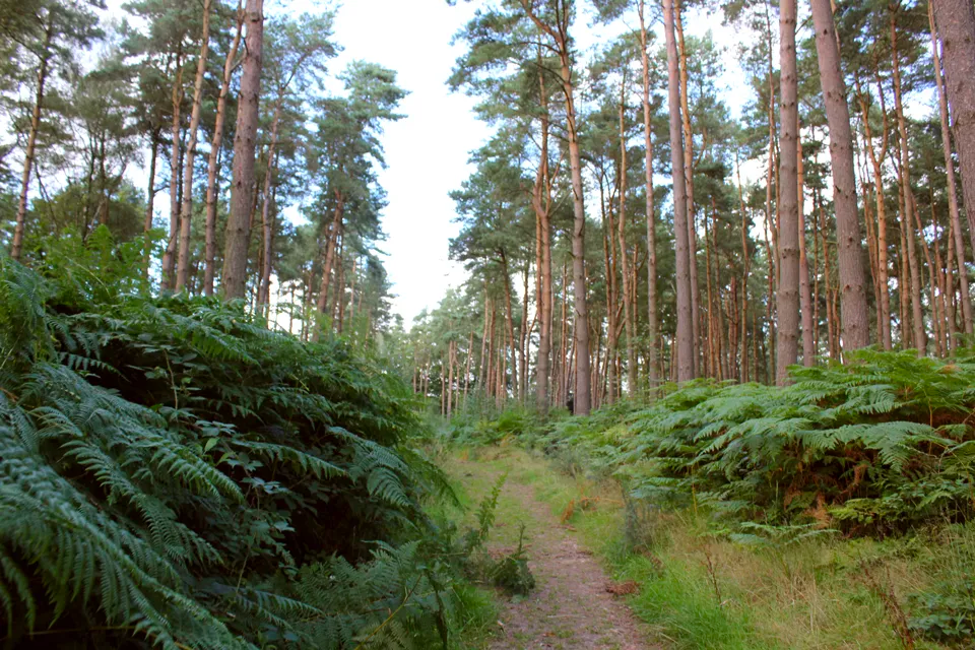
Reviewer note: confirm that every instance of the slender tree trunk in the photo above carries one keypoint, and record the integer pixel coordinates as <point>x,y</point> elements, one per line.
<point>744,365</point>
<point>685,352</point>
<point>955,23</point>
<point>169,255</point>
<point>150,195</point>
<point>238,233</point>
<point>267,224</point>
<point>186,208</point>
<point>653,347</point>
<point>688,168</point>
<point>332,238</point>
<point>542,202</point>
<point>854,305</point>
<point>807,318</point>
<point>788,291</point>
<point>919,332</point>
<point>622,242</point>
<point>210,226</point>
<point>882,247</point>
<point>951,183</point>
<point>25,183</point>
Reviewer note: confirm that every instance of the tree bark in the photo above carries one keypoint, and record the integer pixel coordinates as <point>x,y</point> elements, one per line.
<point>788,290</point>
<point>955,23</point>
<point>951,184</point>
<point>25,184</point>
<point>169,255</point>
<point>882,247</point>
<point>685,350</point>
<point>653,347</point>
<point>150,195</point>
<point>807,318</point>
<point>210,236</point>
<point>267,224</point>
<point>561,41</point>
<point>542,203</point>
<point>854,305</point>
<point>238,233</point>
<point>186,207</point>
<point>919,332</point>
<point>622,242</point>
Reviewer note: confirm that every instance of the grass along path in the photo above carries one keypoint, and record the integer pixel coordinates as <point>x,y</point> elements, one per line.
<point>695,590</point>
<point>572,607</point>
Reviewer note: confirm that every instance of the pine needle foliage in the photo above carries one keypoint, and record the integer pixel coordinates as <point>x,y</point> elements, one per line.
<point>175,475</point>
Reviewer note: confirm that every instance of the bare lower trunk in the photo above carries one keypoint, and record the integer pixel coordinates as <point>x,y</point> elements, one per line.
<point>25,184</point>
<point>186,208</point>
<point>688,168</point>
<point>955,22</point>
<point>267,223</point>
<point>238,233</point>
<point>685,350</point>
<point>788,291</point>
<point>150,195</point>
<point>653,347</point>
<point>210,236</point>
<point>854,305</point>
<point>951,183</point>
<point>807,318</point>
<point>169,255</point>
<point>332,238</point>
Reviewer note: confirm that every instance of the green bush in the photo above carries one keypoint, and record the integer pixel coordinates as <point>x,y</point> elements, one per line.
<point>174,474</point>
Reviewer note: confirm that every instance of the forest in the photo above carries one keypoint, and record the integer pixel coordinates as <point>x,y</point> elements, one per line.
<point>710,367</point>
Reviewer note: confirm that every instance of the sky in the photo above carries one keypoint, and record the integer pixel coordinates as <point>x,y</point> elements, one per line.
<point>426,151</point>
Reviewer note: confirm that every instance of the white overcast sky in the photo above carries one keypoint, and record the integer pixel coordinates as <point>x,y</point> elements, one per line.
<point>427,151</point>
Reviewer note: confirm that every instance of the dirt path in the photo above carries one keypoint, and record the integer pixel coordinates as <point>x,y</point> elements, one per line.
<point>571,607</point>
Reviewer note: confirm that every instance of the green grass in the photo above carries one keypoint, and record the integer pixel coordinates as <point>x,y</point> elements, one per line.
<point>812,594</point>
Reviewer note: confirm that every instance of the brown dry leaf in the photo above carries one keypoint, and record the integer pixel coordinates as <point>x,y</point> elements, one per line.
<point>621,588</point>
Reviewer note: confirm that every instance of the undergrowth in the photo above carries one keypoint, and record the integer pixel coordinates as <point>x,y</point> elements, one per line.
<point>849,495</point>
<point>173,474</point>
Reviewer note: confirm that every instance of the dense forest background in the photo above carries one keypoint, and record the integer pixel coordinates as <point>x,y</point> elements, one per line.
<point>592,273</point>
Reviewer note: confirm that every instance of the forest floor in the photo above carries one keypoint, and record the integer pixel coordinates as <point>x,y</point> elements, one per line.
<point>684,587</point>
<point>575,605</point>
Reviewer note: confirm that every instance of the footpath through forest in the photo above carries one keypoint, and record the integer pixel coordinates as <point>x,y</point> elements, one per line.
<point>575,605</point>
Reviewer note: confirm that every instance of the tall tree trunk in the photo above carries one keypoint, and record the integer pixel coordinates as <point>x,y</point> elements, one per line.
<point>688,168</point>
<point>788,291</point>
<point>267,223</point>
<point>854,304</point>
<point>653,347</point>
<point>169,255</point>
<point>332,238</point>
<point>622,242</point>
<point>807,317</point>
<point>561,41</point>
<point>542,203</point>
<point>919,332</point>
<point>210,227</point>
<point>186,208</point>
<point>744,366</point>
<point>951,184</point>
<point>150,195</point>
<point>25,183</point>
<point>955,23</point>
<point>685,350</point>
<point>882,247</point>
<point>238,233</point>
